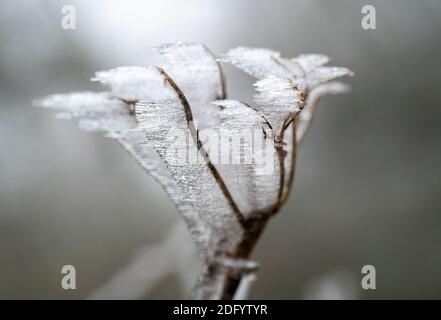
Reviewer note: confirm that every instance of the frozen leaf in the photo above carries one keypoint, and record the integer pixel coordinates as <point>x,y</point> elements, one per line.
<point>258,62</point>
<point>195,70</point>
<point>104,112</point>
<point>132,84</point>
<point>196,191</point>
<point>252,174</point>
<point>305,70</point>
<point>278,99</point>
<point>167,123</point>
<point>284,85</point>
<point>94,111</point>
<point>197,73</point>
<point>307,74</point>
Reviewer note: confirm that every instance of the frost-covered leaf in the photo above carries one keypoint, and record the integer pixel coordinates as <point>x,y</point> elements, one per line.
<point>305,70</point>
<point>132,83</point>
<point>258,62</point>
<point>284,85</point>
<point>103,112</point>
<point>195,70</point>
<point>94,111</point>
<point>197,73</point>
<point>252,174</point>
<point>167,125</point>
<point>192,187</point>
<point>278,99</point>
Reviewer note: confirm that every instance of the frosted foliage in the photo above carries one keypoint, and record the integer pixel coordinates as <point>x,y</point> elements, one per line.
<point>196,181</point>
<point>192,187</point>
<point>101,112</point>
<point>149,160</point>
<point>257,62</point>
<point>195,70</point>
<point>305,70</point>
<point>94,111</point>
<point>133,83</point>
<point>253,180</point>
<point>277,99</point>
<point>197,73</point>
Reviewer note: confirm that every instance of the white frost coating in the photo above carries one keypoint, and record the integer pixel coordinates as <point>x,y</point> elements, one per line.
<point>149,84</point>
<point>191,187</point>
<point>149,160</point>
<point>305,70</point>
<point>157,119</point>
<point>283,86</point>
<point>197,73</point>
<point>94,111</point>
<point>278,99</point>
<point>253,190</point>
<point>258,62</point>
<point>195,70</point>
<point>132,83</point>
<point>101,112</point>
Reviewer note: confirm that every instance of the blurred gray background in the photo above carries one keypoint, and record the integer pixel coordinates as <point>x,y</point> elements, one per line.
<point>368,181</point>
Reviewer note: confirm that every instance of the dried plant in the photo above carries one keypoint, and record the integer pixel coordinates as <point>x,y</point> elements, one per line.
<point>225,205</point>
